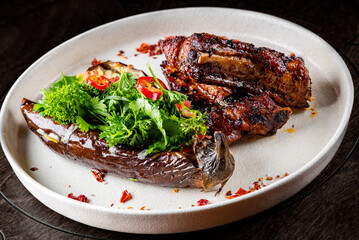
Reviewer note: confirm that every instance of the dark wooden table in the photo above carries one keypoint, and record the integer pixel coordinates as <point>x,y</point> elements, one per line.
<point>328,208</point>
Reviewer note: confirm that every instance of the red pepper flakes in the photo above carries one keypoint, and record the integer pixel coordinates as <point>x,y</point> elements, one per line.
<point>175,190</point>
<point>95,62</point>
<point>229,193</point>
<point>278,176</point>
<point>129,207</point>
<point>98,176</point>
<point>256,186</point>
<point>192,205</point>
<point>112,205</point>
<point>69,185</point>
<point>125,196</point>
<point>154,57</point>
<point>202,202</point>
<point>260,179</point>
<point>81,198</point>
<point>142,208</point>
<point>121,54</point>
<point>239,193</point>
<point>135,54</point>
<point>269,178</point>
<point>152,50</point>
<point>286,174</point>
<point>34,169</point>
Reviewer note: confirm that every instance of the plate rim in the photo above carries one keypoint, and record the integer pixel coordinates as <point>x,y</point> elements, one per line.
<point>330,144</point>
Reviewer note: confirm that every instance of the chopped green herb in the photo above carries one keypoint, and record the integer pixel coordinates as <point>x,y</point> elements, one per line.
<point>123,114</point>
<point>132,179</point>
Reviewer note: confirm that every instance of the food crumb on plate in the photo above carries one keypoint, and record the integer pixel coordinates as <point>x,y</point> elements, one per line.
<point>126,196</point>
<point>80,198</point>
<point>202,202</point>
<point>152,49</point>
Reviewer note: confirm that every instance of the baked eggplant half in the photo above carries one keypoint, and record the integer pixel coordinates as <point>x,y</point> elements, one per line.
<point>210,163</point>
<point>127,134</point>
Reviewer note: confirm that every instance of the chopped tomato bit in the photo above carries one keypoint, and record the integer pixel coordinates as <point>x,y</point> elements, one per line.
<point>185,111</point>
<point>125,196</point>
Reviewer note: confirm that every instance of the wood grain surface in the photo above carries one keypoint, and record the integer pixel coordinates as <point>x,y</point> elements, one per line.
<point>328,208</point>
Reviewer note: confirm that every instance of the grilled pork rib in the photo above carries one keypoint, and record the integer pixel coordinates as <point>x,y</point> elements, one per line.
<point>230,111</point>
<point>211,59</point>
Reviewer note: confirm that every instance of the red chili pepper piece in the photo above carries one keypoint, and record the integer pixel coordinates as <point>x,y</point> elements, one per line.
<point>81,198</point>
<point>125,196</point>
<point>98,81</point>
<point>149,87</point>
<point>241,192</point>
<point>202,202</point>
<point>98,176</point>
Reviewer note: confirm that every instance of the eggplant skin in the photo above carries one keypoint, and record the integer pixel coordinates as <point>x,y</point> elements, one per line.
<point>168,169</point>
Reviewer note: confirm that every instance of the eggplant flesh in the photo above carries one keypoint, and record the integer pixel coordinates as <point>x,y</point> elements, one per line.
<point>210,163</point>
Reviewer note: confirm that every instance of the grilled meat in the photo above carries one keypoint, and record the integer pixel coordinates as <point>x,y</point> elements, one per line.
<point>211,59</point>
<point>233,112</point>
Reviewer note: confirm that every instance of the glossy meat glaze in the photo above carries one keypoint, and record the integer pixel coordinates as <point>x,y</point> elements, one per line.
<point>230,111</point>
<point>211,59</point>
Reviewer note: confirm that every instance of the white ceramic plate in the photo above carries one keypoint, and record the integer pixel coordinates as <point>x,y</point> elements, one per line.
<point>303,153</point>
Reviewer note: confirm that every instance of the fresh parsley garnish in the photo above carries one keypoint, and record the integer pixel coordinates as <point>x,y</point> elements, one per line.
<point>122,113</point>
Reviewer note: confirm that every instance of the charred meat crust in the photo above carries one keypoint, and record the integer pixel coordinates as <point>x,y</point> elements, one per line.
<point>171,169</point>
<point>234,113</point>
<point>211,59</point>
